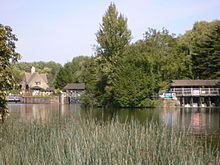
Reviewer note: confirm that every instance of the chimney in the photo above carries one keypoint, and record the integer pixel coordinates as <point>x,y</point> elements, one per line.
<point>32,70</point>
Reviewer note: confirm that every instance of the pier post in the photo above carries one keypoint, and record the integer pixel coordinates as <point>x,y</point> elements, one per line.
<point>209,101</point>
<point>61,98</point>
<point>200,102</point>
<point>191,100</point>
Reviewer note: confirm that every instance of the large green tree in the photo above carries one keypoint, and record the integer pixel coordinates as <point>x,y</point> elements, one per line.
<point>113,37</point>
<point>202,44</point>
<point>166,55</point>
<point>206,55</point>
<point>134,84</point>
<point>148,66</point>
<point>7,55</point>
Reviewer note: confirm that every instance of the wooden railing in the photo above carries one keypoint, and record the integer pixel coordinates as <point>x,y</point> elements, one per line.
<point>196,91</point>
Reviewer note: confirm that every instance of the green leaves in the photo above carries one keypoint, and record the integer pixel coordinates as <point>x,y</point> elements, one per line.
<point>71,72</point>
<point>203,46</point>
<point>113,37</point>
<point>7,55</point>
<point>113,34</point>
<point>130,75</point>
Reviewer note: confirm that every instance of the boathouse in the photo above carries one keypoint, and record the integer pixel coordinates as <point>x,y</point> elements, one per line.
<point>74,91</point>
<point>74,88</point>
<point>197,93</point>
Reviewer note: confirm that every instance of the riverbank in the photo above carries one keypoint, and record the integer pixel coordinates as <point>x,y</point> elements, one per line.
<point>169,103</point>
<point>84,141</point>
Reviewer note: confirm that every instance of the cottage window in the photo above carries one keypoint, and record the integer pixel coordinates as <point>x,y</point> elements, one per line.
<point>37,83</point>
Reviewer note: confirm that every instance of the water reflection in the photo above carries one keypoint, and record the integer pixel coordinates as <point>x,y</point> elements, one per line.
<point>121,115</point>
<point>201,121</point>
<point>43,112</point>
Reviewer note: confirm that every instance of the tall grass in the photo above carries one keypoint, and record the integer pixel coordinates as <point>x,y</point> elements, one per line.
<point>83,141</point>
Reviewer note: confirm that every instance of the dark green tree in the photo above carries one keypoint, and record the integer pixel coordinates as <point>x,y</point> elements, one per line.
<point>61,79</point>
<point>71,72</point>
<point>206,55</point>
<point>89,74</point>
<point>134,84</point>
<point>112,37</point>
<point>7,55</point>
<point>202,44</point>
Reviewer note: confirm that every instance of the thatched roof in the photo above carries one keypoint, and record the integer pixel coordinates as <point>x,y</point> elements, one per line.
<point>51,89</point>
<point>74,86</point>
<point>179,83</point>
<point>31,79</point>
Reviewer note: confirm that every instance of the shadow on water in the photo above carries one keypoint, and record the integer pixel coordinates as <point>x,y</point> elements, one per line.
<point>121,115</point>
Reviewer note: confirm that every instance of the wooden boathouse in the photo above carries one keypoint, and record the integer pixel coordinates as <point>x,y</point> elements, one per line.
<point>74,92</point>
<point>197,93</point>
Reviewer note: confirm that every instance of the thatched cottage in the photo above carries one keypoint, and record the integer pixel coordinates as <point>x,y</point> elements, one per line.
<point>34,82</point>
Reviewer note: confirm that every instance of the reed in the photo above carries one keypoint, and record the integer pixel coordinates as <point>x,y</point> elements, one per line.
<point>85,141</point>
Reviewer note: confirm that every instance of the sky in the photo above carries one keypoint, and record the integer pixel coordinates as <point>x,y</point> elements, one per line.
<point>59,30</point>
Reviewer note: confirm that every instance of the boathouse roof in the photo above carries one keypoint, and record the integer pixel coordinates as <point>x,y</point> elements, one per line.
<point>74,86</point>
<point>179,83</point>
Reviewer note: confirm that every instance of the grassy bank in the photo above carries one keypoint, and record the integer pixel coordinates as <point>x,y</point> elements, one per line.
<point>79,141</point>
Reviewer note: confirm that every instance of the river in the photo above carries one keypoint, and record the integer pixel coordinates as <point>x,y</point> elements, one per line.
<point>203,121</point>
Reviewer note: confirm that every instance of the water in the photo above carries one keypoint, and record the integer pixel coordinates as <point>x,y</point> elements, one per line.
<point>205,121</point>
<point>201,121</point>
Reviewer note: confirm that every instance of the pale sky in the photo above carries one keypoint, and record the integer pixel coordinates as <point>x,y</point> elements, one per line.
<point>58,30</point>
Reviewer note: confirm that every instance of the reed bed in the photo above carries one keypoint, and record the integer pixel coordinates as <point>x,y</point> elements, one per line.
<point>85,141</point>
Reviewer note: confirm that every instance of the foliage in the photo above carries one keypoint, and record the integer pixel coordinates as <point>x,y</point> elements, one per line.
<point>89,73</point>
<point>203,45</point>
<point>71,72</point>
<point>112,37</point>
<point>131,75</point>
<point>7,55</point>
<point>60,79</point>
<point>133,84</point>
<point>58,91</point>
<point>142,69</point>
<point>167,57</point>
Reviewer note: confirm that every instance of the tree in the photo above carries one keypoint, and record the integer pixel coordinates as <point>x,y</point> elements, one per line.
<point>134,84</point>
<point>167,58</point>
<point>112,37</point>
<point>89,74</point>
<point>60,81</point>
<point>202,44</point>
<point>72,72</point>
<point>206,55</point>
<point>113,34</point>
<point>7,55</point>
